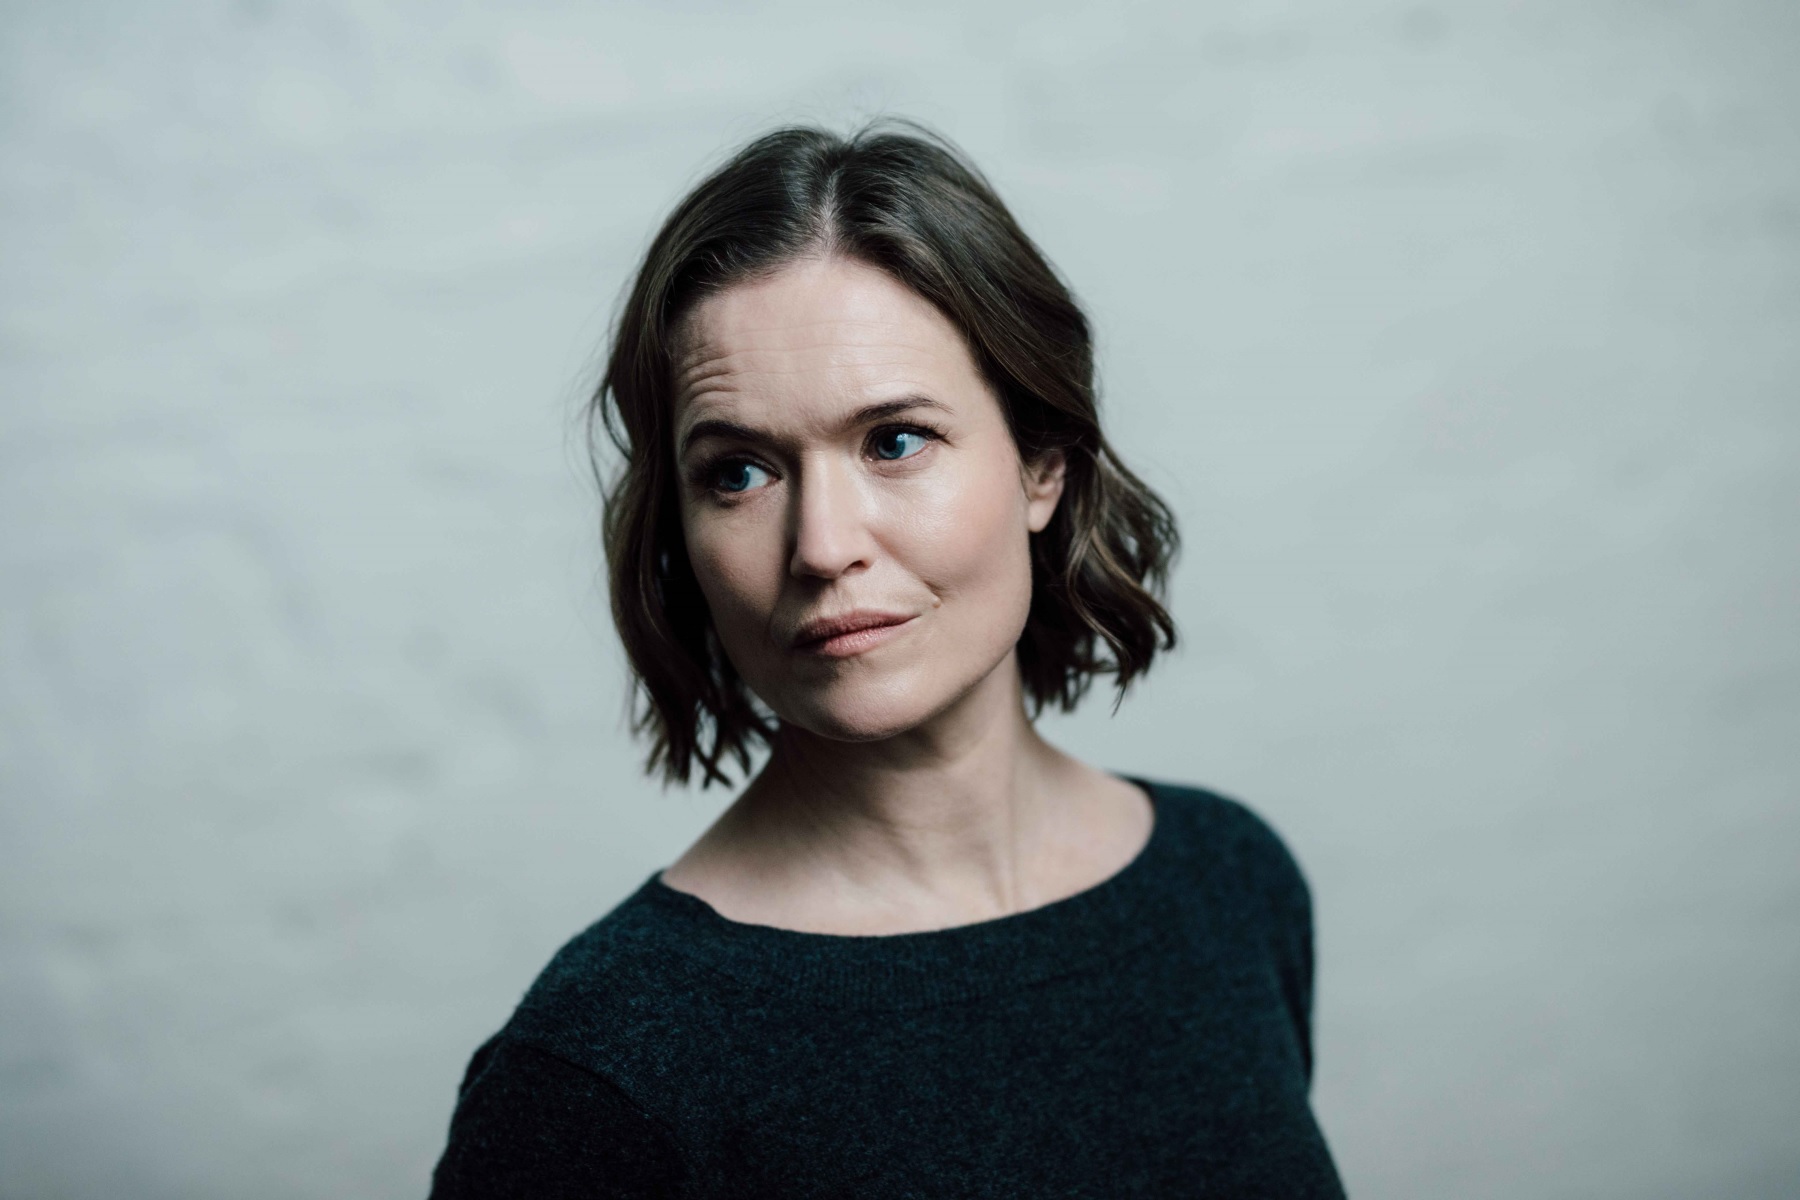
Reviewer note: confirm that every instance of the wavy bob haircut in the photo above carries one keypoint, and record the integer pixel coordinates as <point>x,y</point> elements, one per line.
<point>900,198</point>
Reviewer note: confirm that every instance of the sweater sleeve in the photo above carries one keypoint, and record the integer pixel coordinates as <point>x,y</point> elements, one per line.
<point>529,1124</point>
<point>1298,959</point>
<point>1285,913</point>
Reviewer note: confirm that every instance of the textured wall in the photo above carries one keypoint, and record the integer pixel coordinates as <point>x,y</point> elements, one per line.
<point>1465,337</point>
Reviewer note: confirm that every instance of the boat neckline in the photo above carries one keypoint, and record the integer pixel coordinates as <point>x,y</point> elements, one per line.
<point>1066,935</point>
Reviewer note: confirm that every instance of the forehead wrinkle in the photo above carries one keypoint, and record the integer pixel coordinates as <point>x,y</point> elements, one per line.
<point>712,388</point>
<point>691,378</point>
<point>708,365</point>
<point>706,327</point>
<point>736,346</point>
<point>852,376</point>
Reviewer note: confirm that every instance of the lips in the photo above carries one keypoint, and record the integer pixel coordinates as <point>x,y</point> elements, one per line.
<point>849,633</point>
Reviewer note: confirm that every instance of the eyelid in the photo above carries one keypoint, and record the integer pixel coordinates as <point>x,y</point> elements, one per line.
<point>705,474</point>
<point>924,431</point>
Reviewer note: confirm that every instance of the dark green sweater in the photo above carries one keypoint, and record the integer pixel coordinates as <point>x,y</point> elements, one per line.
<point>1147,1037</point>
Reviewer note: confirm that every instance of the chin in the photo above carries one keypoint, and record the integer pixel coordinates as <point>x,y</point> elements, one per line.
<point>866,710</point>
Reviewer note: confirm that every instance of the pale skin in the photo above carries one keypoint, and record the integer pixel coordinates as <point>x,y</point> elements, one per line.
<point>840,453</point>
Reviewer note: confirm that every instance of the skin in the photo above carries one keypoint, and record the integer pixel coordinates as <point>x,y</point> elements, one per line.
<point>838,452</point>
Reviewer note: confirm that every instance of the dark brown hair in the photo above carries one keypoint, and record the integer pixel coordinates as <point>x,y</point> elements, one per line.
<point>900,198</point>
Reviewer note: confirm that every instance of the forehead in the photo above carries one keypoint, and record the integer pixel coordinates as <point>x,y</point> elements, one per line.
<point>816,334</point>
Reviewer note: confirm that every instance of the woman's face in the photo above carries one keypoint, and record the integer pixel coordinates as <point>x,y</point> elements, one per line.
<point>855,508</point>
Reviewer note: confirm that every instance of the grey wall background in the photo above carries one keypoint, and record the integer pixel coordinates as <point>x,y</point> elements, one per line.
<point>1465,337</point>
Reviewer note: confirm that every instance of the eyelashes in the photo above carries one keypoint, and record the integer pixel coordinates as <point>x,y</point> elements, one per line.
<point>904,443</point>
<point>731,475</point>
<point>738,475</point>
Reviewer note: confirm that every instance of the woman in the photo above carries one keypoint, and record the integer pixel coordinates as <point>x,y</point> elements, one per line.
<point>867,520</point>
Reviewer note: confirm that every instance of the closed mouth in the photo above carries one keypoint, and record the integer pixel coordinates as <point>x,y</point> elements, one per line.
<point>848,634</point>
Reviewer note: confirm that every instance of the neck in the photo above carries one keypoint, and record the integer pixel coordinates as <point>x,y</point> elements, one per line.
<point>947,805</point>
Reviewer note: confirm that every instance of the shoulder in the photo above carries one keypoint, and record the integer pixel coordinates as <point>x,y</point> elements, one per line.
<point>528,1123</point>
<point>618,988</point>
<point>555,1103</point>
<point>1225,840</point>
<point>1249,879</point>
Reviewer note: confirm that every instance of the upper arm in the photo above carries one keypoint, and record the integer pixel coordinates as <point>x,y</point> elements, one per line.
<point>529,1124</point>
<point>1292,904</point>
<point>1283,906</point>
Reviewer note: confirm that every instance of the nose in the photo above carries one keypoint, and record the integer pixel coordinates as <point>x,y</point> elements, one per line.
<point>830,533</point>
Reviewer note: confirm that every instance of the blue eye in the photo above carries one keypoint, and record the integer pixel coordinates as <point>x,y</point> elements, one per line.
<point>898,443</point>
<point>740,477</point>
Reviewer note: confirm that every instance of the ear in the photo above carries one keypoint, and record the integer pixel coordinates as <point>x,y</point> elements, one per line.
<point>1043,488</point>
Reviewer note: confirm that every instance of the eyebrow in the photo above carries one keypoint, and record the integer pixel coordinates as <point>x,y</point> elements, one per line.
<point>866,415</point>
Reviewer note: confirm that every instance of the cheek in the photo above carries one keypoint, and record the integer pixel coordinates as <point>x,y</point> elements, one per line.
<point>968,538</point>
<point>732,565</point>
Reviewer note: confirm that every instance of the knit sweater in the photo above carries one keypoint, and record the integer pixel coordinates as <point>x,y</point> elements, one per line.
<point>1149,1036</point>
